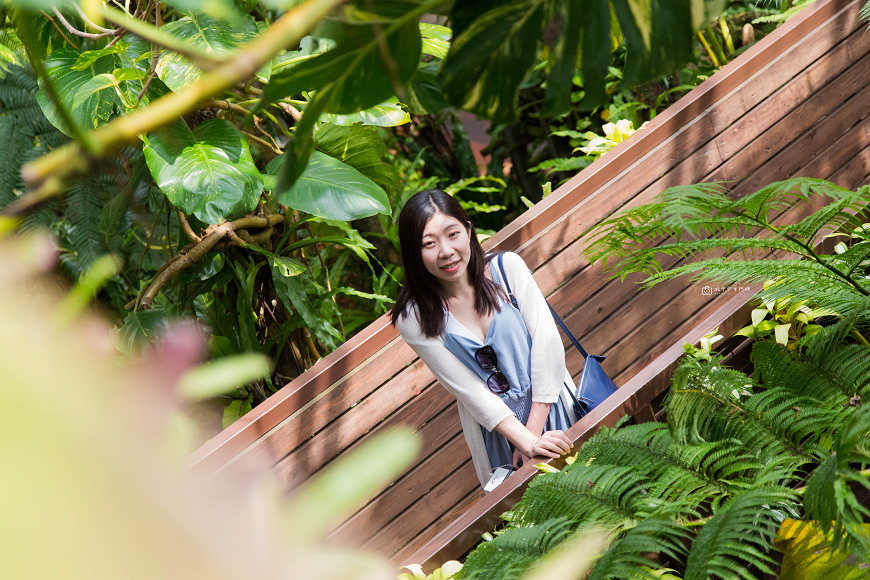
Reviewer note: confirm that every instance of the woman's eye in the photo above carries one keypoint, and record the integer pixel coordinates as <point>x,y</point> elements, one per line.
<point>454,234</point>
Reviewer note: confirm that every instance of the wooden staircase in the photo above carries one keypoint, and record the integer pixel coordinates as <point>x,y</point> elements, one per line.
<point>795,104</point>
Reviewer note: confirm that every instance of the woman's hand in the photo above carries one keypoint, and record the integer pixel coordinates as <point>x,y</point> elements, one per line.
<point>550,444</point>
<point>520,458</point>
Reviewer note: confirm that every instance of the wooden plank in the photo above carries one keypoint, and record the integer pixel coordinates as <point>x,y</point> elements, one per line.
<point>433,414</point>
<point>792,127</point>
<point>388,505</point>
<point>851,174</point>
<point>435,527</point>
<point>817,138</point>
<point>839,152</point>
<point>339,434</point>
<point>426,510</point>
<point>825,61</point>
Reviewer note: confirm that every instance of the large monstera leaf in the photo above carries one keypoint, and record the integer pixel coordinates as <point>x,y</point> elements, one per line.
<point>207,34</point>
<point>331,189</point>
<point>361,148</point>
<point>87,94</point>
<point>208,172</point>
<point>492,51</point>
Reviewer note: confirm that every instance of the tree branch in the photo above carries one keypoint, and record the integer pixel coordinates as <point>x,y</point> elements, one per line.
<point>73,30</point>
<point>216,234</point>
<point>185,227</point>
<point>47,174</point>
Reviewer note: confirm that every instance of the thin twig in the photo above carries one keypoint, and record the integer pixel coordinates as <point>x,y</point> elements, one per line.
<point>150,236</point>
<point>89,23</point>
<point>152,70</point>
<point>185,227</point>
<point>115,40</point>
<point>258,124</point>
<point>262,142</point>
<point>60,30</point>
<point>76,32</point>
<point>226,106</point>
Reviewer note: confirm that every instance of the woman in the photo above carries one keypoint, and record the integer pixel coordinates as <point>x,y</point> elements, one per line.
<point>504,364</point>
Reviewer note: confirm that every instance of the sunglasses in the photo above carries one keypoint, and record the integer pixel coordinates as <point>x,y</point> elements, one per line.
<point>487,360</point>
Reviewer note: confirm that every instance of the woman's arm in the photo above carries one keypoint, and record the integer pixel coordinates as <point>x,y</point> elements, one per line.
<point>548,354</point>
<point>549,444</point>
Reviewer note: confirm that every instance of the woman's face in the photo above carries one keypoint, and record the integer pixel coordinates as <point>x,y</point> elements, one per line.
<point>446,247</point>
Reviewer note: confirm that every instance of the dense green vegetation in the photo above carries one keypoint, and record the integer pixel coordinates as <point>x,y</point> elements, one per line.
<point>739,456</point>
<point>243,162</point>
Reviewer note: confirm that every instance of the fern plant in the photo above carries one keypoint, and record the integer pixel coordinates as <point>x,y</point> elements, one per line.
<point>728,240</point>
<point>706,492</point>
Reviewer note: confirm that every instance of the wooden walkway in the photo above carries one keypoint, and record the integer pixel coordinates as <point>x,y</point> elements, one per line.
<point>797,103</point>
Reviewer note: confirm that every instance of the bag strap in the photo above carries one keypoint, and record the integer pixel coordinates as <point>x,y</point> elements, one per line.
<point>559,320</point>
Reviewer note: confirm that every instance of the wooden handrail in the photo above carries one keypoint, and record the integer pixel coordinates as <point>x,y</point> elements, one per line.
<point>533,223</point>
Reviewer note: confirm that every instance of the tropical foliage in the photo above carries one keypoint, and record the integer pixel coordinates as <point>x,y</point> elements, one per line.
<point>239,159</point>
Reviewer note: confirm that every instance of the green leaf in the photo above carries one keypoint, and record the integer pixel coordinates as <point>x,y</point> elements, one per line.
<point>758,315</point>
<point>207,34</point>
<point>564,54</point>
<point>223,9</point>
<point>113,216</point>
<point>488,60</point>
<point>356,68</point>
<point>287,266</point>
<point>292,293</point>
<point>232,412</point>
<point>596,47</point>
<point>390,113</point>
<point>436,39</point>
<point>223,375</point>
<point>424,94</point>
<point>331,189</point>
<point>89,57</point>
<point>90,109</point>
<point>781,333</point>
<point>141,327</point>
<point>361,148</point>
<point>208,172</point>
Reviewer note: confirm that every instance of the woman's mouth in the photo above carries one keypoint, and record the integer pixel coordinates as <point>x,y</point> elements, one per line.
<point>451,267</point>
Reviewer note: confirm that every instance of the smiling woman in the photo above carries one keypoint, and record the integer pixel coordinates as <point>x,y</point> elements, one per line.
<point>503,362</point>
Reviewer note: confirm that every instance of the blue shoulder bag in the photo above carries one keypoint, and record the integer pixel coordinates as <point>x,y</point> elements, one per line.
<point>594,385</point>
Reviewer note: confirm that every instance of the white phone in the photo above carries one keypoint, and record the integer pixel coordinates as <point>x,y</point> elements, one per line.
<point>498,476</point>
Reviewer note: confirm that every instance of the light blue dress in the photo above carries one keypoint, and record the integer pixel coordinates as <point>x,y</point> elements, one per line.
<point>508,336</point>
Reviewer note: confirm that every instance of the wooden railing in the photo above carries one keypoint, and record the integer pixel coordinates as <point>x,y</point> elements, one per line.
<point>794,104</point>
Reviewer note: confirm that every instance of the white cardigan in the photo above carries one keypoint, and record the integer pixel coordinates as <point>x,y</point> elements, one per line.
<point>476,403</point>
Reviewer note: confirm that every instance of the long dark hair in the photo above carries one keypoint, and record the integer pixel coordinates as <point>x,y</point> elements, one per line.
<point>422,289</point>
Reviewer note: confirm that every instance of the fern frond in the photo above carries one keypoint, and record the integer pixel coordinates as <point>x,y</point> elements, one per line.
<point>740,535</point>
<point>609,495</point>
<point>675,471</point>
<point>626,557</point>
<point>831,379</point>
<point>85,199</point>
<point>712,403</point>
<point>829,497</point>
<point>514,551</point>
